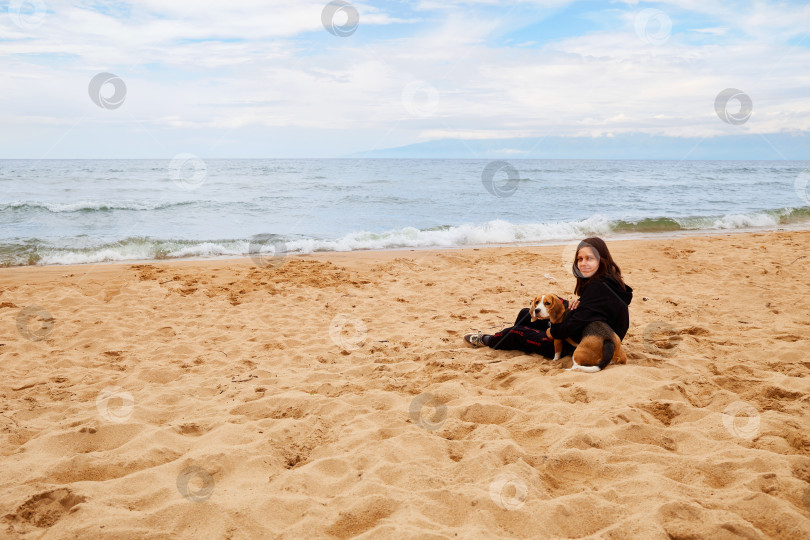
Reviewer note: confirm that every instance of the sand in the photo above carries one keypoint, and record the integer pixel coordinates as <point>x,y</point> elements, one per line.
<point>332,396</point>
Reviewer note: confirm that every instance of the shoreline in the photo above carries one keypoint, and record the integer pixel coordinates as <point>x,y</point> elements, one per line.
<point>628,237</point>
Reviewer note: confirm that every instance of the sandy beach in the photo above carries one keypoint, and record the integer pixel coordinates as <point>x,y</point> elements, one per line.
<point>332,396</point>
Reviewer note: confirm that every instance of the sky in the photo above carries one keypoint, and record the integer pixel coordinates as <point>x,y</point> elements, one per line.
<point>290,79</point>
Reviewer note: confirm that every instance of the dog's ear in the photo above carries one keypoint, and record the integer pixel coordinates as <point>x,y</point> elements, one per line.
<point>556,312</point>
<point>533,305</point>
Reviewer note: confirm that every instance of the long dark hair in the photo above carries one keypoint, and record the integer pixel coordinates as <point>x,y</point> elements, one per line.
<point>607,266</point>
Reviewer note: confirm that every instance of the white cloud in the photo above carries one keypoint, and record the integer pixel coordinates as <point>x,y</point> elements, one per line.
<point>717,31</point>
<point>217,67</point>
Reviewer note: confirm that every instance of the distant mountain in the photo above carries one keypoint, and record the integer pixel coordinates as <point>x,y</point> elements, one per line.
<point>629,146</point>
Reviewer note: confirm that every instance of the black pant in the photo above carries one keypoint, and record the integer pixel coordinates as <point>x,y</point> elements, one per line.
<point>527,336</point>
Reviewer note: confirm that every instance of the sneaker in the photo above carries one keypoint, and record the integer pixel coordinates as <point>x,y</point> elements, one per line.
<point>475,339</point>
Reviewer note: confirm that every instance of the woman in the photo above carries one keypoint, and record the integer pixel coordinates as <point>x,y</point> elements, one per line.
<point>603,296</point>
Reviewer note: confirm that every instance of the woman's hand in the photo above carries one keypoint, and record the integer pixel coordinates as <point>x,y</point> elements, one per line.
<point>573,304</point>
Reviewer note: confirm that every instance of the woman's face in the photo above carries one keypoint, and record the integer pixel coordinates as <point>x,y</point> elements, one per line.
<point>587,262</point>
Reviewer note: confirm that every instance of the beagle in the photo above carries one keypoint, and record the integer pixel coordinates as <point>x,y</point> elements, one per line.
<point>599,346</point>
<point>551,307</point>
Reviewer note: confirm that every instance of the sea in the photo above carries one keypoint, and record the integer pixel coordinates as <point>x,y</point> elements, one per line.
<point>82,211</point>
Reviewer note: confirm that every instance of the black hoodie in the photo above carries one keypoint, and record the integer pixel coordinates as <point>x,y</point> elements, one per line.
<point>602,299</point>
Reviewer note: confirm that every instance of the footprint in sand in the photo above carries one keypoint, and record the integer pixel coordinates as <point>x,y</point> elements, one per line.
<point>44,509</point>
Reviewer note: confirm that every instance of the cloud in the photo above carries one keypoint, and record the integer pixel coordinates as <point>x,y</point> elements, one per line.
<point>221,67</point>
<point>717,31</point>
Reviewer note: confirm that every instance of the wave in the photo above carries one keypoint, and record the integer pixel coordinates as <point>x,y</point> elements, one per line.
<point>129,249</point>
<point>764,218</point>
<point>490,233</point>
<point>496,232</point>
<point>89,206</point>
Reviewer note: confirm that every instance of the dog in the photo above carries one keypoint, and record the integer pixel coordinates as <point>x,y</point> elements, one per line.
<point>599,346</point>
<point>550,307</point>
